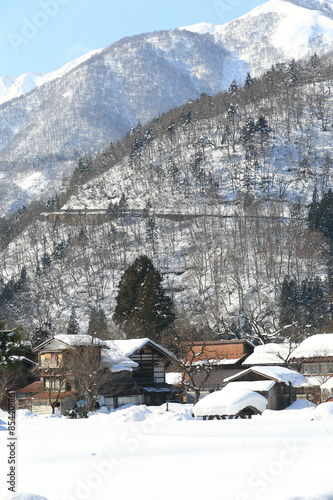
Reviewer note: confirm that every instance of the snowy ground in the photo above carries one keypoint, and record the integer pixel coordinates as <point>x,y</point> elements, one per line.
<point>148,453</point>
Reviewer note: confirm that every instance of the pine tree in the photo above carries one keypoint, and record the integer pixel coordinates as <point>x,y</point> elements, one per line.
<point>289,302</point>
<point>13,344</point>
<point>73,327</point>
<point>128,287</point>
<point>153,313</point>
<point>320,215</point>
<point>314,308</point>
<point>98,326</point>
<point>233,87</point>
<point>248,81</point>
<point>292,72</point>
<point>41,334</point>
<point>142,306</point>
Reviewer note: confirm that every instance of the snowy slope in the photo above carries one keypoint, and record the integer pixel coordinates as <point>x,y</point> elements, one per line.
<point>10,87</point>
<point>277,31</point>
<point>47,121</point>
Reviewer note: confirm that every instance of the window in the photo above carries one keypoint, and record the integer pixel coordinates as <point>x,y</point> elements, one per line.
<point>53,384</point>
<point>310,368</point>
<point>51,359</point>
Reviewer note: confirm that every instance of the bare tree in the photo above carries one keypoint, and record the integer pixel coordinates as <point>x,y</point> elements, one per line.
<point>89,374</point>
<point>192,358</point>
<point>55,381</point>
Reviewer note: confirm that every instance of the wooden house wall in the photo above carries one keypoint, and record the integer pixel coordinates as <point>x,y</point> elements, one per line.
<point>151,368</point>
<point>221,350</point>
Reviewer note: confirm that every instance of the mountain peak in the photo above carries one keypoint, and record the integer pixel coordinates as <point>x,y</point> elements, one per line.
<point>325,6</point>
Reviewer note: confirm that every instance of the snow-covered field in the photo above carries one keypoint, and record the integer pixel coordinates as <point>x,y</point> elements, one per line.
<point>148,453</point>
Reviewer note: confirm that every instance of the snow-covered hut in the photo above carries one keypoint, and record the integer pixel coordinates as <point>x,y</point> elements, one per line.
<point>277,383</point>
<point>230,404</point>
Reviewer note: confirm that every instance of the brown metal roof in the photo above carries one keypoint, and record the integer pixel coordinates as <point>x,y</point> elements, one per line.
<point>37,386</point>
<point>54,395</point>
<point>316,359</point>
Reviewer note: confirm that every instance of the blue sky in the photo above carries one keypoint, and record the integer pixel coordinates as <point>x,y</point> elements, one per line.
<point>42,35</point>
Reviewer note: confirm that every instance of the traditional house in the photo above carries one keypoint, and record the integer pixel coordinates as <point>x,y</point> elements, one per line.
<point>56,386</point>
<point>132,371</point>
<point>276,383</point>
<point>142,363</point>
<point>224,359</point>
<point>314,359</point>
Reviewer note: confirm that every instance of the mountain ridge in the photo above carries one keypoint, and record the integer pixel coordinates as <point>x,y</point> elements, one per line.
<point>96,99</point>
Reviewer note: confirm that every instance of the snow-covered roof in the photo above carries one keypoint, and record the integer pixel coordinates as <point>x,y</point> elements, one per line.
<point>73,340</point>
<point>130,346</point>
<point>22,358</point>
<point>113,359</point>
<point>312,381</point>
<point>226,402</point>
<point>251,385</point>
<point>277,373</point>
<point>320,345</point>
<point>79,340</point>
<point>268,354</point>
<point>217,362</point>
<point>328,384</point>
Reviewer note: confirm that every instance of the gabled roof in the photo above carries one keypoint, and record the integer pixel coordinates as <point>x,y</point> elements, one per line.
<point>72,341</point>
<point>251,385</point>
<point>129,346</point>
<point>276,373</point>
<point>116,356</point>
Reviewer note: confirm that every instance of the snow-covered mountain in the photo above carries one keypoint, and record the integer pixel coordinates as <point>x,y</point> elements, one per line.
<point>10,87</point>
<point>48,121</point>
<point>277,31</point>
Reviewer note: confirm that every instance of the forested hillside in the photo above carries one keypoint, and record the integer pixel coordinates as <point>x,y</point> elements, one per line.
<point>228,195</point>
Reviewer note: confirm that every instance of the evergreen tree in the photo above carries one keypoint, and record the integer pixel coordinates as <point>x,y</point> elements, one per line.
<point>98,326</point>
<point>142,306</point>
<point>289,302</point>
<point>292,72</point>
<point>128,287</point>
<point>13,344</point>
<point>313,213</point>
<point>248,81</point>
<point>41,334</point>
<point>320,215</point>
<point>153,313</point>
<point>73,327</point>
<point>233,87</point>
<point>123,205</point>
<point>112,211</point>
<point>314,308</point>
